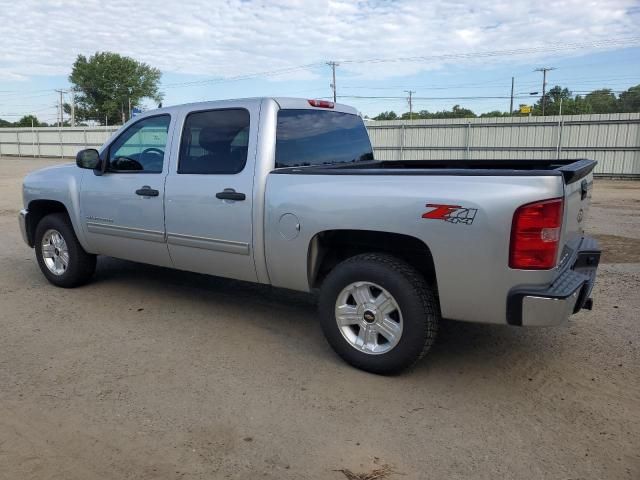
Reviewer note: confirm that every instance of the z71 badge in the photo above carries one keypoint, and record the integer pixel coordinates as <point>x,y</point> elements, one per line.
<point>450,213</point>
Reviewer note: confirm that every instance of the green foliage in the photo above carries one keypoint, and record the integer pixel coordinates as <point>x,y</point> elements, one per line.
<point>598,101</point>
<point>495,113</point>
<point>629,101</point>
<point>602,101</point>
<point>28,121</point>
<point>386,116</point>
<point>25,121</point>
<point>105,82</point>
<point>562,96</point>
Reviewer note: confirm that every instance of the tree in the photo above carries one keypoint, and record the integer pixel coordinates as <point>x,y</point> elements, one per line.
<point>105,83</point>
<point>495,113</point>
<point>602,101</point>
<point>562,96</point>
<point>28,121</point>
<point>629,101</point>
<point>386,116</point>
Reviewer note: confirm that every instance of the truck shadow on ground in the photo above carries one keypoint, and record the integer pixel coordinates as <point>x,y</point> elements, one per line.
<point>294,314</point>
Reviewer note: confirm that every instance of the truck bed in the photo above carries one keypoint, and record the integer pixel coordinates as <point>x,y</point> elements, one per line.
<point>572,170</point>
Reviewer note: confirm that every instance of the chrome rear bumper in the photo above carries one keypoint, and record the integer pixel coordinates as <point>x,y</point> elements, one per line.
<point>568,293</point>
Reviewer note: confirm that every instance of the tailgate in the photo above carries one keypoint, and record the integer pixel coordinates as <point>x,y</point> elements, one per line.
<point>578,177</point>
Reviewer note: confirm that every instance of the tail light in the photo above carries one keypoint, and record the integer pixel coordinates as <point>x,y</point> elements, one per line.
<point>535,235</point>
<point>321,103</point>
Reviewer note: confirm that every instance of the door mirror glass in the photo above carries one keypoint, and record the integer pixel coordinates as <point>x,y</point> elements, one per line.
<point>88,158</point>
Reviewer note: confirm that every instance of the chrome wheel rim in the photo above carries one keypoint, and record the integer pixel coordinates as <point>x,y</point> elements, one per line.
<point>368,318</point>
<point>55,252</point>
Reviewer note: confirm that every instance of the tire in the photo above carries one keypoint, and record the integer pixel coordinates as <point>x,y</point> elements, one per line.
<point>79,266</point>
<point>413,308</point>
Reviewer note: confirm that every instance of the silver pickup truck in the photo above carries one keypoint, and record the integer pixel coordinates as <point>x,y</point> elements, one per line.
<point>286,192</point>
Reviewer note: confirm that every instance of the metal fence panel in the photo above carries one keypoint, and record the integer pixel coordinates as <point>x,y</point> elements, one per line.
<point>613,140</point>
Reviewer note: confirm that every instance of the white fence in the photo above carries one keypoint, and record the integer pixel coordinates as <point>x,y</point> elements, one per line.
<point>613,140</point>
<point>51,141</point>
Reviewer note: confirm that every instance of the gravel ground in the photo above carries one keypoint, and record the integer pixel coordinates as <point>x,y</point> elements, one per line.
<point>149,373</point>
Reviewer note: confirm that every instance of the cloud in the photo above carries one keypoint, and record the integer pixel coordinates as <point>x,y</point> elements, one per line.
<point>228,38</point>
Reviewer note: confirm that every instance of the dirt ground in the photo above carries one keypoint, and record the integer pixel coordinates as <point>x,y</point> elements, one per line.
<point>148,373</point>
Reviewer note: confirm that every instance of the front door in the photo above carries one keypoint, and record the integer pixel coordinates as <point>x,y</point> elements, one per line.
<point>122,210</point>
<point>209,195</point>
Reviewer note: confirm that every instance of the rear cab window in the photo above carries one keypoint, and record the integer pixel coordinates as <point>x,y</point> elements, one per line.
<point>319,137</point>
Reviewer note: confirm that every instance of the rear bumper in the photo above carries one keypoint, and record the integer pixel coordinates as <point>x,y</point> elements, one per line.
<point>568,293</point>
<point>22,221</point>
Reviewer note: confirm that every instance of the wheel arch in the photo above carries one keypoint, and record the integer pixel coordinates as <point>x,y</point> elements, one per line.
<point>38,209</point>
<point>330,247</point>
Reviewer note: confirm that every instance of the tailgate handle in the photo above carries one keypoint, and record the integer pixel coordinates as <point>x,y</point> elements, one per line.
<point>584,188</point>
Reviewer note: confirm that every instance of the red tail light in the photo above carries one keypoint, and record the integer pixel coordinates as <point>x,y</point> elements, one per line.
<point>535,235</point>
<point>321,103</point>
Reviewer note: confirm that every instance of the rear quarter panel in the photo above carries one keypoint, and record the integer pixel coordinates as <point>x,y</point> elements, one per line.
<point>471,260</point>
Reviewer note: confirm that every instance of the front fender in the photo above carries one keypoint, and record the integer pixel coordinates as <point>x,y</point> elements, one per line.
<point>59,184</point>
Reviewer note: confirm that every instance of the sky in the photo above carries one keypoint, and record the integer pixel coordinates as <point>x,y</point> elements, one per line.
<point>449,52</point>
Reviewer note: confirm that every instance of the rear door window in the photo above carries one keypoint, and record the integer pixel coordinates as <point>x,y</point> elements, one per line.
<point>318,137</point>
<point>214,142</point>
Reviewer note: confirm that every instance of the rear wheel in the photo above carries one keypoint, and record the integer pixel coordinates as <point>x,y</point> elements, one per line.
<point>378,313</point>
<point>60,256</point>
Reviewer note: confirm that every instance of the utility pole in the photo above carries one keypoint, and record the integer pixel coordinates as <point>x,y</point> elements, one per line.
<point>511,102</point>
<point>544,71</point>
<point>410,100</point>
<point>129,91</point>
<point>73,109</point>
<point>61,119</point>
<point>333,66</point>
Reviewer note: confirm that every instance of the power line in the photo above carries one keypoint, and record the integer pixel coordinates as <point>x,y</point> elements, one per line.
<point>496,53</point>
<point>477,97</point>
<point>628,41</point>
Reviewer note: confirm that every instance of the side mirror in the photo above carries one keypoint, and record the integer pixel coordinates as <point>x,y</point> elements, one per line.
<point>88,158</point>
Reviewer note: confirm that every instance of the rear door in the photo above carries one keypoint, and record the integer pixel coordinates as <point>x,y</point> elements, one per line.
<point>122,210</point>
<point>209,195</point>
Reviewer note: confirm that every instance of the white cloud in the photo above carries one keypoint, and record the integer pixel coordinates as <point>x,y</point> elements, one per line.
<point>227,38</point>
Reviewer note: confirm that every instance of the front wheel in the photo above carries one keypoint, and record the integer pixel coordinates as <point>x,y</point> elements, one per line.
<point>60,256</point>
<point>378,313</point>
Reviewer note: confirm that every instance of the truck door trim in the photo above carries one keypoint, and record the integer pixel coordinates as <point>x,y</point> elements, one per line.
<point>227,246</point>
<point>127,232</point>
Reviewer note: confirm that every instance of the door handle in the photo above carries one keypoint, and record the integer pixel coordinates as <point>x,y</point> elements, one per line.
<point>147,191</point>
<point>230,194</point>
